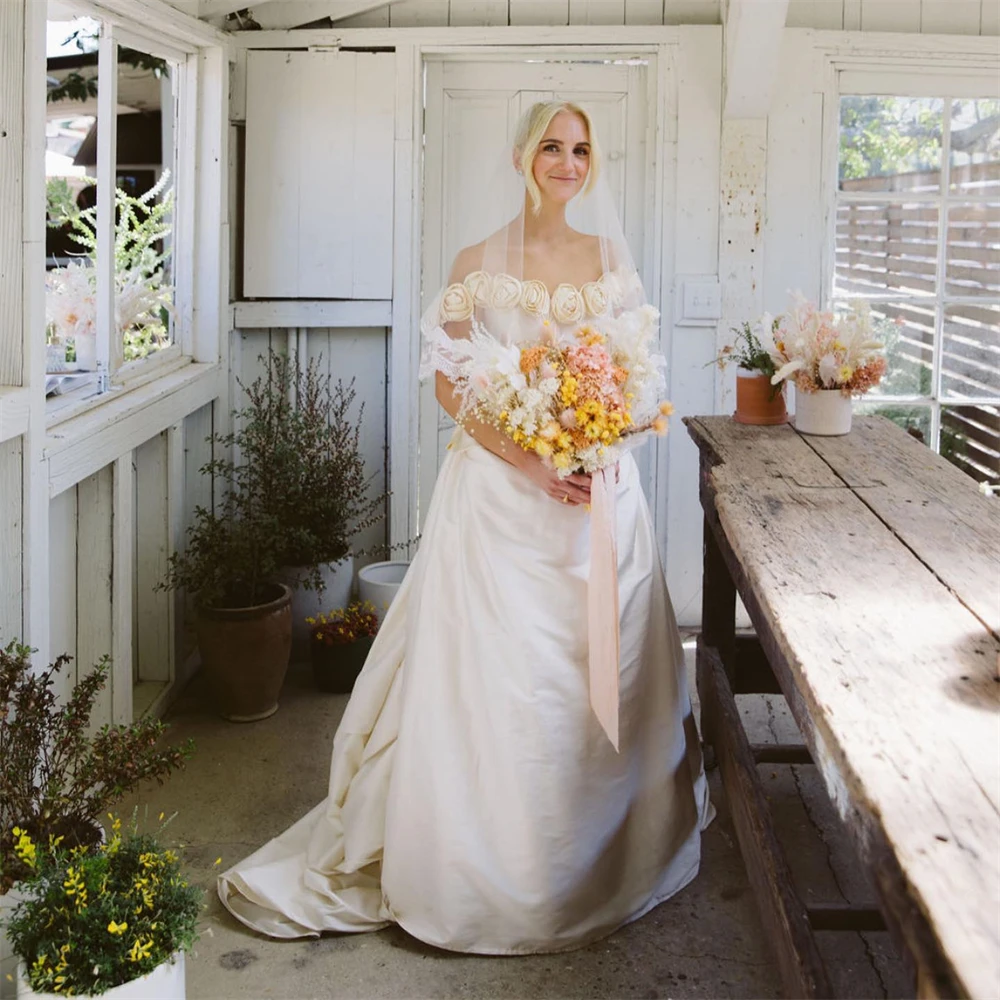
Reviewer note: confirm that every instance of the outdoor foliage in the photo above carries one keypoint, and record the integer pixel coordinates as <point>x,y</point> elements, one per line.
<point>57,776</point>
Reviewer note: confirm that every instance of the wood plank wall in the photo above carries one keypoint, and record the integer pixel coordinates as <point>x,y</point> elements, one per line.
<point>964,17</point>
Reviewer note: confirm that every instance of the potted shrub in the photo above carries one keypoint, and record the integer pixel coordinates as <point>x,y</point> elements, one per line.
<point>757,400</point>
<point>299,429</point>
<point>110,920</point>
<point>340,643</point>
<point>832,358</point>
<point>243,617</point>
<point>58,776</point>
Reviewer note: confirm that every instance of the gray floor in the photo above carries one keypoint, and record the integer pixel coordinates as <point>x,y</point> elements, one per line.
<point>247,783</point>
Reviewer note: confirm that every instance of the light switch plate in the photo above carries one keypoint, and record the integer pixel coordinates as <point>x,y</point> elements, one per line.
<point>700,301</point>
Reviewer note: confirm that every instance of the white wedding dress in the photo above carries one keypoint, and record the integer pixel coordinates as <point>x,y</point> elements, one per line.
<point>474,798</point>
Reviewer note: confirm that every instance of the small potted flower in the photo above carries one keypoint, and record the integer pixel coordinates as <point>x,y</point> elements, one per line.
<point>110,920</point>
<point>340,643</point>
<point>831,358</point>
<point>758,401</point>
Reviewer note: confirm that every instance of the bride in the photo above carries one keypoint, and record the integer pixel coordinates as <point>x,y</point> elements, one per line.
<point>474,797</point>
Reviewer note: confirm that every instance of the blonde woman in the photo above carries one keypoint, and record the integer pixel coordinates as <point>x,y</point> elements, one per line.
<point>475,798</point>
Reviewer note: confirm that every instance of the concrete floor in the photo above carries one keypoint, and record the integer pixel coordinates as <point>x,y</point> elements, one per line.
<point>247,783</point>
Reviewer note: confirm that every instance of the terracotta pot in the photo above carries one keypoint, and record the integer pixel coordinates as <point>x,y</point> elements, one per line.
<point>826,412</point>
<point>165,982</point>
<point>757,401</point>
<point>336,668</point>
<point>245,652</point>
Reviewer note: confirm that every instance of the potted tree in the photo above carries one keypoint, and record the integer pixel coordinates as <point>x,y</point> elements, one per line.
<point>110,920</point>
<point>243,616</point>
<point>757,400</point>
<point>298,427</point>
<point>340,643</point>
<point>58,776</point>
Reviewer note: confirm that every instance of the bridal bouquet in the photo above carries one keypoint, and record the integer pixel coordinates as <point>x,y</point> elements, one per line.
<point>823,350</point>
<point>577,402</point>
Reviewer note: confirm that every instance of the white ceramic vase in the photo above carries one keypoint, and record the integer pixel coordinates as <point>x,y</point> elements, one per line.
<point>339,583</point>
<point>8,960</point>
<point>379,583</point>
<point>165,982</point>
<point>826,412</point>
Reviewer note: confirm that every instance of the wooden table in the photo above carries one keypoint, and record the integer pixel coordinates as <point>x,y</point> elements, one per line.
<point>870,568</point>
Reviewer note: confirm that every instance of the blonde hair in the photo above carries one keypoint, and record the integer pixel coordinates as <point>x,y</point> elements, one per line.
<point>530,132</point>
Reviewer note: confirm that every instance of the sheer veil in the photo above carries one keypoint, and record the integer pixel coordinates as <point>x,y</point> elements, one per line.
<point>482,258</point>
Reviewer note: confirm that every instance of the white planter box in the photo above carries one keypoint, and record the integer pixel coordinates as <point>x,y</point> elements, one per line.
<point>826,412</point>
<point>379,583</point>
<point>8,960</point>
<point>165,982</point>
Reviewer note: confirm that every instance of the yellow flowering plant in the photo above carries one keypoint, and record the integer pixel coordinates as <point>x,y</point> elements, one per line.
<point>95,917</point>
<point>359,620</point>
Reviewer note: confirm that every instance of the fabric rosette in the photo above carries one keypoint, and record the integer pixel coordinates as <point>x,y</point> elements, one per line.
<point>535,297</point>
<point>480,286</point>
<point>506,291</point>
<point>596,297</point>
<point>567,304</point>
<point>457,304</point>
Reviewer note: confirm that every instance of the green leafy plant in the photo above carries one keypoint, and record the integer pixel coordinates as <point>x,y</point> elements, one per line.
<point>95,917</point>
<point>313,478</point>
<point>58,776</point>
<point>60,205</point>
<point>747,350</point>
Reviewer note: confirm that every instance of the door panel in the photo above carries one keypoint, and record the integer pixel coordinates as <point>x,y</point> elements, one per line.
<point>472,110</point>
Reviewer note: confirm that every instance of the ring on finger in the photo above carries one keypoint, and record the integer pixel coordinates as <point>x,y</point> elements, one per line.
<point>565,499</point>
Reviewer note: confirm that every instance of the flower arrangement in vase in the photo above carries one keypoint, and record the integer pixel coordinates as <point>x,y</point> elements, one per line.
<point>112,919</point>
<point>830,357</point>
<point>339,645</point>
<point>758,400</point>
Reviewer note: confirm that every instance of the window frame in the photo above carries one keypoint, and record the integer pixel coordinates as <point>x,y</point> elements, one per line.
<point>915,73</point>
<point>115,375</point>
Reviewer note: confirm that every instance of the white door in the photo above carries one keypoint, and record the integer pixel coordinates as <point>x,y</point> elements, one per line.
<point>472,109</point>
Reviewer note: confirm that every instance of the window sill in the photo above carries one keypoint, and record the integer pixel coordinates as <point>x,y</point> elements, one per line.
<point>59,409</point>
<point>111,425</point>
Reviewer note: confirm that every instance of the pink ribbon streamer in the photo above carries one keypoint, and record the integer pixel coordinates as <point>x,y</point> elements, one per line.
<point>602,604</point>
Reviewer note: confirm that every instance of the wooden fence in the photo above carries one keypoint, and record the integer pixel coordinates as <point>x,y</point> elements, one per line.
<point>892,249</point>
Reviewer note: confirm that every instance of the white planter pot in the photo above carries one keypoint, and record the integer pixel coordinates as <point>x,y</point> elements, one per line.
<point>8,960</point>
<point>339,581</point>
<point>379,583</point>
<point>826,412</point>
<point>165,982</point>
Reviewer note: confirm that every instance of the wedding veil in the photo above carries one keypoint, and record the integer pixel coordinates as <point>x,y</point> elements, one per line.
<point>484,233</point>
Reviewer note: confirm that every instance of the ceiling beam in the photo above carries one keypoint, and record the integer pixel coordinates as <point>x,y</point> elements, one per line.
<point>753,33</point>
<point>279,14</point>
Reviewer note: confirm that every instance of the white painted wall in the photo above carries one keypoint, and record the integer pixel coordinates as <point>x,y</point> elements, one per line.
<point>968,17</point>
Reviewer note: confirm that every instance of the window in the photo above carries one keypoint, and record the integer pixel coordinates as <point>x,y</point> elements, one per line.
<point>917,233</point>
<point>111,278</point>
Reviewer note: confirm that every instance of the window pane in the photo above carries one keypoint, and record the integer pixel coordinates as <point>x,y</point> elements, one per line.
<point>915,420</point>
<point>970,360</point>
<point>970,438</point>
<point>907,331</point>
<point>975,146</point>
<point>145,202</point>
<point>71,197</point>
<point>890,143</point>
<point>886,248</point>
<point>972,262</point>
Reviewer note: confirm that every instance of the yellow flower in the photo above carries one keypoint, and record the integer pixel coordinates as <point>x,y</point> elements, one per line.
<point>114,928</point>
<point>140,951</point>
<point>218,861</point>
<point>660,426</point>
<point>543,448</point>
<point>666,408</point>
<point>24,848</point>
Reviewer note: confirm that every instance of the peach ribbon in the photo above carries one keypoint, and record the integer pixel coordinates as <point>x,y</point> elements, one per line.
<point>602,604</point>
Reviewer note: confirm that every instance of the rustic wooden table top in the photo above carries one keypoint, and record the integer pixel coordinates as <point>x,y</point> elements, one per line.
<point>874,564</point>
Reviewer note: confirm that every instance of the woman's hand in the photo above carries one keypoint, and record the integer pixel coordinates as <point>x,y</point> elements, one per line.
<point>573,490</point>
